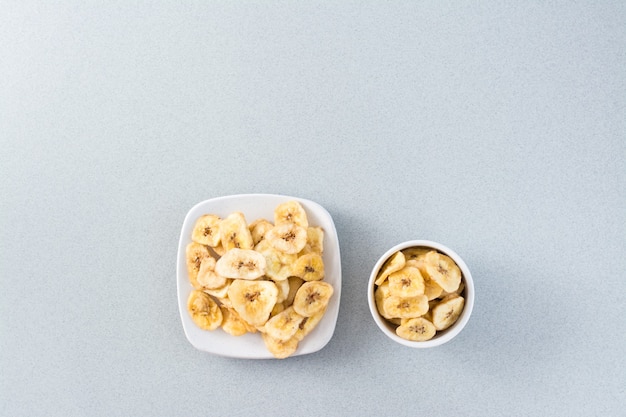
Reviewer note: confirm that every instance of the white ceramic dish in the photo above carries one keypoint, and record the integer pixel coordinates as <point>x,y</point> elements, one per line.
<point>442,336</point>
<point>255,206</point>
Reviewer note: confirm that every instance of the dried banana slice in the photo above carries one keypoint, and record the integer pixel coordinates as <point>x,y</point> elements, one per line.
<point>287,237</point>
<point>380,295</point>
<point>253,300</point>
<point>283,290</point>
<point>232,323</point>
<point>308,324</point>
<point>258,229</point>
<point>207,278</point>
<point>416,329</point>
<point>459,291</point>
<point>290,212</point>
<point>204,311</point>
<point>446,312</point>
<point>221,292</point>
<point>431,288</point>
<point>405,307</point>
<point>429,314</point>
<point>206,230</point>
<point>393,264</point>
<point>442,269</point>
<point>278,348</point>
<point>242,264</point>
<point>284,325</point>
<point>312,297</point>
<point>195,253</point>
<point>314,241</point>
<point>309,267</point>
<point>415,253</point>
<point>278,264</point>
<point>407,282</point>
<point>234,232</point>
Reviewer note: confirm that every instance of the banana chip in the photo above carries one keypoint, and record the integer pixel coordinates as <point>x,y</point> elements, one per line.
<point>279,265</point>
<point>280,349</point>
<point>417,329</point>
<point>290,212</point>
<point>309,267</point>
<point>242,264</point>
<point>232,322</point>
<point>207,230</point>
<point>447,311</point>
<point>312,297</point>
<point>284,325</point>
<point>195,253</point>
<point>259,277</point>
<point>420,291</point>
<point>287,237</point>
<point>204,311</point>
<point>253,300</point>
<point>234,232</point>
<point>407,282</point>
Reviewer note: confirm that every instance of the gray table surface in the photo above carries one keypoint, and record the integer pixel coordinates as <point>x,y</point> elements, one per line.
<point>496,128</point>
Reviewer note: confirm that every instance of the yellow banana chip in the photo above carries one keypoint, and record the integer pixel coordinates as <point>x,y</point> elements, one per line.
<point>204,311</point>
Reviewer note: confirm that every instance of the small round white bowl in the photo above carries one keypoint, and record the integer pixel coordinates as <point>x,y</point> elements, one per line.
<point>442,336</point>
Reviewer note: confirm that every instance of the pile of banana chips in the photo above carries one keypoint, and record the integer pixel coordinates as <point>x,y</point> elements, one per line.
<point>419,290</point>
<point>264,276</point>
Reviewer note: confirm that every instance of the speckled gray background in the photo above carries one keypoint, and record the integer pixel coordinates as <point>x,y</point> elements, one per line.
<point>496,128</point>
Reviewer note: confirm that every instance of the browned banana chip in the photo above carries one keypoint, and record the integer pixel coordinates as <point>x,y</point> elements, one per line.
<point>294,284</point>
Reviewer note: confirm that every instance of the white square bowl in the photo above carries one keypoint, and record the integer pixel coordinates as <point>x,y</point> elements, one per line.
<point>256,206</point>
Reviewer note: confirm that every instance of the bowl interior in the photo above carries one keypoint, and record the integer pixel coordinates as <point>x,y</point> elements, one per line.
<point>254,206</point>
<point>442,336</point>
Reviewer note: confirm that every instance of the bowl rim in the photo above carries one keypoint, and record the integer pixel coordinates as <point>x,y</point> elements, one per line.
<point>447,334</point>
